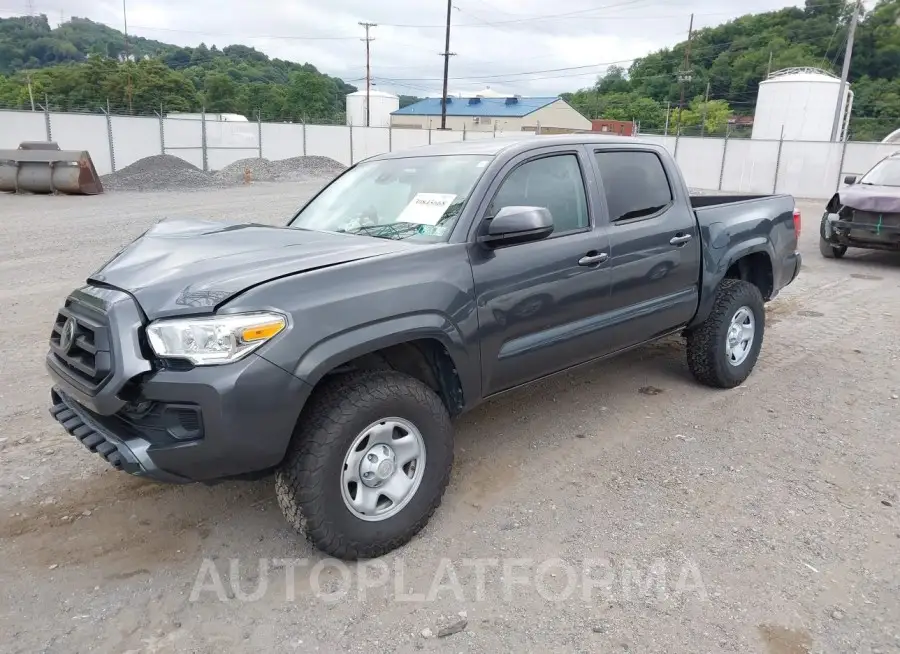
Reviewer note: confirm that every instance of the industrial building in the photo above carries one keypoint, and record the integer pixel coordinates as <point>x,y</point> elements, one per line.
<point>486,114</point>
<point>798,104</point>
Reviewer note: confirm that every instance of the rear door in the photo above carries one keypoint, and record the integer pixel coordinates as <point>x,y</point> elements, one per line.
<point>654,244</point>
<point>540,304</point>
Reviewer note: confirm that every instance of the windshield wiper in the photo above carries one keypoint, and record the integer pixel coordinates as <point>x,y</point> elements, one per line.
<point>395,231</point>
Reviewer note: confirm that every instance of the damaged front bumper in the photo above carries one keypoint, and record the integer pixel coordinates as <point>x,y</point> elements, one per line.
<point>863,230</point>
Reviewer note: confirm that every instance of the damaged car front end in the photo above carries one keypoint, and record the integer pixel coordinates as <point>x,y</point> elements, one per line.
<point>864,214</point>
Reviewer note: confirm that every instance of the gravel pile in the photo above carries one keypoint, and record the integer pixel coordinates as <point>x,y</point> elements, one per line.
<point>161,172</point>
<point>165,172</point>
<point>303,168</point>
<point>261,170</point>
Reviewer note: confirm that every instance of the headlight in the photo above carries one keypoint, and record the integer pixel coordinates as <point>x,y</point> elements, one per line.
<point>213,340</point>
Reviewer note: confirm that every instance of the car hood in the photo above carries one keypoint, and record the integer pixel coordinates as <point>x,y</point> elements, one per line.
<point>866,197</point>
<point>181,267</point>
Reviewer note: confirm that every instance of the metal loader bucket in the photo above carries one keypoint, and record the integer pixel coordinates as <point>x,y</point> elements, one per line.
<point>41,167</point>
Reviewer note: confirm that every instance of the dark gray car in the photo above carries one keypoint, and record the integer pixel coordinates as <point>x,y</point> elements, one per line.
<point>335,351</point>
<point>865,213</point>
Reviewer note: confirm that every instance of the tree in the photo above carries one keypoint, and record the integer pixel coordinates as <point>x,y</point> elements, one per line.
<point>220,93</point>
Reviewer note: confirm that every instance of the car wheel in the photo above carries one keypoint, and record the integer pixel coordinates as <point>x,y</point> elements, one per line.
<point>722,351</point>
<point>368,464</point>
<point>830,251</point>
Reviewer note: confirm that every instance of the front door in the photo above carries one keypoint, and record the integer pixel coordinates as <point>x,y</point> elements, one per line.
<point>654,246</point>
<point>539,303</point>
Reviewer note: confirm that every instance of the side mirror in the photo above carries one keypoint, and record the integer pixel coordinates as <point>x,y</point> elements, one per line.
<point>850,180</point>
<point>518,225</point>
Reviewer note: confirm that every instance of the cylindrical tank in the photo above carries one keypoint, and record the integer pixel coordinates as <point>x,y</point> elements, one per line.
<point>802,101</point>
<point>382,104</point>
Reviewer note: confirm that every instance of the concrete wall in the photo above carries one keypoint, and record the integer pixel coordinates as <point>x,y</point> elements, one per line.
<point>803,169</point>
<point>459,123</point>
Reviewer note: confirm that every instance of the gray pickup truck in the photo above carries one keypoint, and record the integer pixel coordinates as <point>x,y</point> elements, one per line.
<point>335,350</point>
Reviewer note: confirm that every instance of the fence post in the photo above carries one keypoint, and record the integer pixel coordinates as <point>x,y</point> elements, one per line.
<point>778,161</point>
<point>259,131</point>
<point>203,138</point>
<point>303,122</point>
<point>537,128</point>
<point>351,144</point>
<point>464,131</point>
<point>109,137</point>
<point>46,108</point>
<point>837,187</point>
<point>390,138</point>
<point>724,155</point>
<point>429,135</point>
<point>495,129</point>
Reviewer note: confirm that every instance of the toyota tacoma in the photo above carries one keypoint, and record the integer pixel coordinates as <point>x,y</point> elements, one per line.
<point>334,351</point>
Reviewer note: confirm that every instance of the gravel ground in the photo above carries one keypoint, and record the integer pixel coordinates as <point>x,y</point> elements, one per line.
<point>618,508</point>
<point>166,172</point>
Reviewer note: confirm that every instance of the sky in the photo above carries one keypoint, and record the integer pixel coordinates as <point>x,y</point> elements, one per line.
<point>529,47</point>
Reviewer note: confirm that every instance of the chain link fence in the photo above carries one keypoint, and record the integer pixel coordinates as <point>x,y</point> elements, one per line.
<point>212,141</point>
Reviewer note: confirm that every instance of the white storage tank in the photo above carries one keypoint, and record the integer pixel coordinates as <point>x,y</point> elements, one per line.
<point>802,101</point>
<point>382,104</point>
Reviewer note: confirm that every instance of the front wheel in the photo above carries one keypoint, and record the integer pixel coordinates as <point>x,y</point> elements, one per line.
<point>722,351</point>
<point>368,465</point>
<point>830,251</point>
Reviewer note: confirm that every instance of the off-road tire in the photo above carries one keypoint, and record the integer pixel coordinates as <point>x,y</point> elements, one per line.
<point>308,486</point>
<point>706,343</point>
<point>830,251</point>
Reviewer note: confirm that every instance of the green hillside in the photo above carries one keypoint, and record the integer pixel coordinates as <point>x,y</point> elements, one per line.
<point>82,64</point>
<point>734,57</point>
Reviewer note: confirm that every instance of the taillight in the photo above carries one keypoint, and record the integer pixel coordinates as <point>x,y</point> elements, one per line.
<point>797,222</point>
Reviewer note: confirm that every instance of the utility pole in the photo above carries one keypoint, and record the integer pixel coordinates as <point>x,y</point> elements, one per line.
<point>685,74</point>
<point>130,91</point>
<point>368,40</point>
<point>845,72</point>
<point>446,54</point>
<point>668,108</point>
<point>705,107</point>
<point>769,69</point>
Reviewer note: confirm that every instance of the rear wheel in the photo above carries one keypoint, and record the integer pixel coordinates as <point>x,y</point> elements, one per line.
<point>368,465</point>
<point>723,350</point>
<point>830,251</point>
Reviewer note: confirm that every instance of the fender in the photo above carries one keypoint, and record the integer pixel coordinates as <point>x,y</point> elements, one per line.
<point>364,339</point>
<point>715,267</point>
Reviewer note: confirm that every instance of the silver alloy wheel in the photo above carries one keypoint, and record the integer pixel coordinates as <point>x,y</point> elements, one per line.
<point>740,335</point>
<point>383,469</point>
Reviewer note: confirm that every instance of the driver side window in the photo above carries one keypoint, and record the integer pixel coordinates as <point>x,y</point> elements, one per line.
<point>554,183</point>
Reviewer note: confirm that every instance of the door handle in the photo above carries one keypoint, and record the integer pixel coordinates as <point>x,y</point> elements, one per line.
<point>680,240</point>
<point>592,259</point>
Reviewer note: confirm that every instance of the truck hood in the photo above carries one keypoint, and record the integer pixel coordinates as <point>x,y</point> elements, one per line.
<point>866,197</point>
<point>181,267</point>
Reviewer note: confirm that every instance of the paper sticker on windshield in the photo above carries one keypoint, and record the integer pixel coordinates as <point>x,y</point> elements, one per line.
<point>426,208</point>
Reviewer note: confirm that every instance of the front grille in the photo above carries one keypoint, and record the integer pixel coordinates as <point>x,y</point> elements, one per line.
<point>875,219</point>
<point>79,342</point>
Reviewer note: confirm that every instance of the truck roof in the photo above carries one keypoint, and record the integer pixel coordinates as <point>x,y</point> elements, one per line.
<point>494,146</point>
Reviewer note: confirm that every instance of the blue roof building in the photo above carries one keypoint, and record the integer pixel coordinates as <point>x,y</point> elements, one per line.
<point>486,114</point>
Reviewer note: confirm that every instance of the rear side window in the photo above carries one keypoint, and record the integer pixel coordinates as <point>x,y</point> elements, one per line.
<point>635,184</point>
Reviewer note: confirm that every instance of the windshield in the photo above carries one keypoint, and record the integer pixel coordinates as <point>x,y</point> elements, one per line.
<point>885,173</point>
<point>415,197</point>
